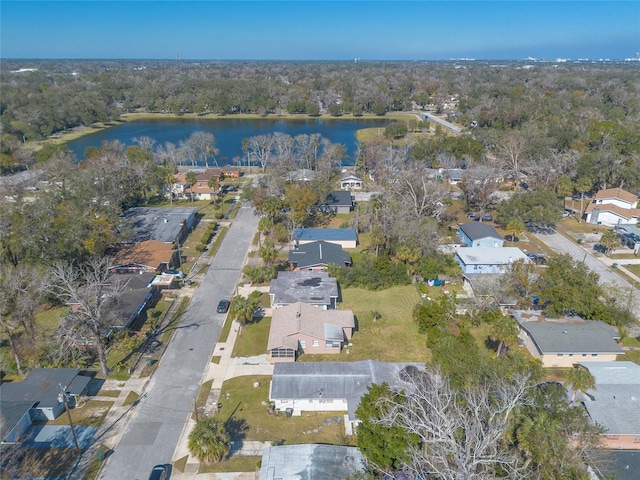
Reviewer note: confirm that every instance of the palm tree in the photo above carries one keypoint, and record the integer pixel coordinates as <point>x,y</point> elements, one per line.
<point>580,380</point>
<point>610,240</point>
<point>505,331</point>
<point>191,179</point>
<point>583,185</point>
<point>209,440</point>
<point>242,309</point>
<point>515,226</point>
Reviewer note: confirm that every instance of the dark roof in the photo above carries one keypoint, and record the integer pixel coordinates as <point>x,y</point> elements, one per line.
<point>478,230</point>
<point>326,234</point>
<point>137,293</point>
<point>162,224</point>
<point>334,380</point>
<point>620,464</point>
<point>315,288</point>
<point>318,253</point>
<point>42,386</point>
<point>339,198</point>
<point>568,335</point>
<point>10,414</point>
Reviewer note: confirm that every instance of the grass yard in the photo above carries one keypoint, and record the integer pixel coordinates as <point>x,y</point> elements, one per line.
<point>236,463</point>
<point>635,269</point>
<point>248,416</point>
<point>252,339</point>
<point>88,414</point>
<point>393,337</point>
<point>51,462</point>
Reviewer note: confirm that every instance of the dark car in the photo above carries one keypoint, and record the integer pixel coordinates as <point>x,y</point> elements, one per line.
<point>598,247</point>
<point>223,306</point>
<point>487,218</point>
<point>537,259</point>
<point>159,472</point>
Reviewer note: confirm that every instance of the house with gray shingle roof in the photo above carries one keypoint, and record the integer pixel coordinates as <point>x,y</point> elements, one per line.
<point>300,328</point>
<point>488,259</point>
<point>563,342</point>
<point>168,225</point>
<point>478,234</point>
<point>339,201</point>
<point>332,386</point>
<point>316,256</point>
<point>615,402</point>
<point>314,288</point>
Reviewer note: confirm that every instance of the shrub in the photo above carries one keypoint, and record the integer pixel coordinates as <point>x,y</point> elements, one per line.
<point>201,248</point>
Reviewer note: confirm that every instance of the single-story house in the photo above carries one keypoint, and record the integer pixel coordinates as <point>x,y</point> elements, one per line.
<point>144,257</point>
<point>339,201</point>
<point>332,386</point>
<point>310,461</point>
<point>613,206</point>
<point>478,234</point>
<point>231,172</point>
<point>168,225</point>
<point>615,402</point>
<point>302,175</point>
<point>563,342</point>
<point>301,328</point>
<point>314,288</point>
<point>350,181</point>
<point>345,237</point>
<point>317,256</point>
<point>37,398</point>
<point>453,175</point>
<point>488,259</point>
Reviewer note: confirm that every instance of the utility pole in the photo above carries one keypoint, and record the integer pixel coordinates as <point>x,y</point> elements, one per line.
<point>62,397</point>
<point>195,409</point>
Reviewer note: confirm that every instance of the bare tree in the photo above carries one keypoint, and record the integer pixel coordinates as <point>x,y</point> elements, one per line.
<point>203,146</point>
<point>260,150</point>
<point>91,290</point>
<point>511,149</point>
<point>416,188</point>
<point>461,432</point>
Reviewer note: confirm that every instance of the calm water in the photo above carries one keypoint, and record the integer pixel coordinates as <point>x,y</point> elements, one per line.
<point>228,132</point>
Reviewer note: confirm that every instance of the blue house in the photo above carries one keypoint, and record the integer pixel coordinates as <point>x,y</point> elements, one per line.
<point>478,234</point>
<point>488,259</point>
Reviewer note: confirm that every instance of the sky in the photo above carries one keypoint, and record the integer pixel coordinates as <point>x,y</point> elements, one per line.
<point>319,30</point>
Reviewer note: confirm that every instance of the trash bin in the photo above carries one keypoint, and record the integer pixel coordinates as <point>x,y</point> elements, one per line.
<point>150,361</point>
<point>288,412</point>
<point>615,265</point>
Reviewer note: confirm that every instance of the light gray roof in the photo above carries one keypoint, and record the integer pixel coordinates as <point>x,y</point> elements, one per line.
<point>310,461</point>
<point>490,255</point>
<point>162,224</point>
<point>318,254</point>
<point>315,288</point>
<point>326,234</point>
<point>478,230</point>
<point>615,403</point>
<point>577,336</point>
<point>334,380</point>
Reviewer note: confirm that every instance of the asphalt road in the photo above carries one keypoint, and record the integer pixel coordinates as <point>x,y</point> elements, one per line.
<point>560,244</point>
<point>156,424</point>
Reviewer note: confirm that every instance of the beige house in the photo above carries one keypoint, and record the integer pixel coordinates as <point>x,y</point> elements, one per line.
<point>612,207</point>
<point>302,328</point>
<point>563,342</point>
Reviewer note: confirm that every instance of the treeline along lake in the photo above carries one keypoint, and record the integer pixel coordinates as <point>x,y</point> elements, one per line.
<point>229,133</point>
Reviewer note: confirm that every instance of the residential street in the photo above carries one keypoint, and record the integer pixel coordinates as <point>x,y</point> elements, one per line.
<point>155,426</point>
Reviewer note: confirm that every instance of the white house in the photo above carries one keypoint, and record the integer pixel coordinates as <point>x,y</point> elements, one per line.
<point>613,206</point>
<point>488,259</point>
<point>350,181</point>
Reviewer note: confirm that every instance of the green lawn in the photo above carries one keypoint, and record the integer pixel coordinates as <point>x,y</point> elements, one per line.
<point>89,414</point>
<point>247,414</point>
<point>393,337</point>
<point>252,339</point>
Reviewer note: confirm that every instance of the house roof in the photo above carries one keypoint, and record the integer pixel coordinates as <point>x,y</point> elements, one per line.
<point>132,299</point>
<point>615,402</point>
<point>150,253</point>
<point>301,318</point>
<point>303,175</point>
<point>478,230</point>
<point>568,335</point>
<point>335,380</point>
<point>491,255</point>
<point>350,176</point>
<point>619,464</point>
<point>310,461</point>
<point>318,254</point>
<point>42,386</point>
<point>316,288</point>
<point>626,213</point>
<point>326,234</point>
<point>11,412</point>
<point>162,224</point>
<point>338,198</point>
<point>619,193</point>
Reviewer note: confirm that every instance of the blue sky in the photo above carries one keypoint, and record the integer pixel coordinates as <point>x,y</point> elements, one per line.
<point>319,30</point>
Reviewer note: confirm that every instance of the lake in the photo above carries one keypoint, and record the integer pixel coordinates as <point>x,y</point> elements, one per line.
<point>228,132</point>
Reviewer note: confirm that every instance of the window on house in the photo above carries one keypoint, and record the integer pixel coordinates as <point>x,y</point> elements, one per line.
<point>584,355</point>
<point>560,355</point>
<point>303,344</point>
<point>315,343</point>
<point>570,355</point>
<point>594,355</point>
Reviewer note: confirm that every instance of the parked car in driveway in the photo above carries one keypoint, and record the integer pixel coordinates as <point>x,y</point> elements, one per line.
<point>537,259</point>
<point>598,247</point>
<point>174,273</point>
